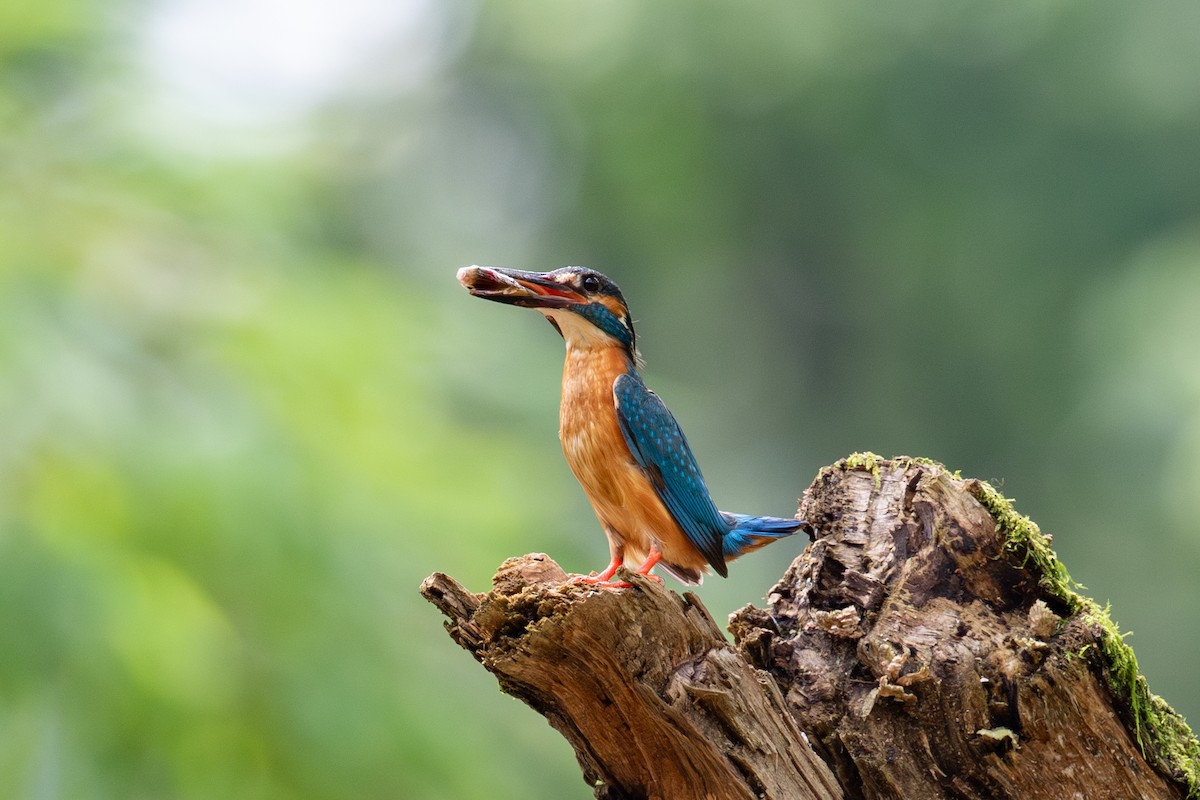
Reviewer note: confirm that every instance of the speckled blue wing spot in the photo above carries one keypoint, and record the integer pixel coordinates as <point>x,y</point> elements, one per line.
<point>659,446</point>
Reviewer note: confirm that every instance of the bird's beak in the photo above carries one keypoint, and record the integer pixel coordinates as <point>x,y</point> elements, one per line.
<point>518,288</point>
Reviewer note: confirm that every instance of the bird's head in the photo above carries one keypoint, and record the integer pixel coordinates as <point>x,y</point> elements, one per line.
<point>585,307</point>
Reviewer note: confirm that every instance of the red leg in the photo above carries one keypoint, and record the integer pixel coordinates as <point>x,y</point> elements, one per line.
<point>618,558</point>
<point>653,558</point>
<point>603,577</point>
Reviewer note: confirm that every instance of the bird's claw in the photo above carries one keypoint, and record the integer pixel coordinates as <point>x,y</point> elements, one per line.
<point>608,583</point>
<point>592,579</point>
<point>598,581</point>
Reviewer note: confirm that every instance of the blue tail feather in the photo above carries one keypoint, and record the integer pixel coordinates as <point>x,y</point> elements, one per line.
<point>750,533</point>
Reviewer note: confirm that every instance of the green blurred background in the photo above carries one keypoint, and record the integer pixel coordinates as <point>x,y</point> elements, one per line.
<point>245,408</point>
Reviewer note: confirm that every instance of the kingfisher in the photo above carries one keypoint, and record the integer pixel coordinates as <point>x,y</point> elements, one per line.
<point>624,446</point>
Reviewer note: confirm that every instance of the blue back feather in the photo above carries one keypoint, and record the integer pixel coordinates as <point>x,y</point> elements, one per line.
<point>659,446</point>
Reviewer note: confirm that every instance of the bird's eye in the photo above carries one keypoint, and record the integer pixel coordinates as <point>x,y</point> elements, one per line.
<point>591,283</point>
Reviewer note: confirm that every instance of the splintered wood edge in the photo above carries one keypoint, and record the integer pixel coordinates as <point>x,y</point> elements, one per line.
<point>458,605</point>
<point>686,697</point>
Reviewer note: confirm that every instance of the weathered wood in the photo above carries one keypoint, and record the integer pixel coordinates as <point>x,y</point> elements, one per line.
<point>928,644</point>
<point>653,698</point>
<point>927,657</point>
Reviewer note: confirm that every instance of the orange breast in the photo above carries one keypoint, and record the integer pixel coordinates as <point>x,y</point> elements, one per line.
<point>622,497</point>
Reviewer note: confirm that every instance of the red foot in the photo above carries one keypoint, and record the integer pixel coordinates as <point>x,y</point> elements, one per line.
<point>601,579</point>
<point>593,580</point>
<point>604,579</point>
<point>615,585</point>
<point>653,558</point>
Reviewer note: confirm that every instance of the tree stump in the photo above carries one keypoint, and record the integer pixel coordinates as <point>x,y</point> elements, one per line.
<point>928,644</point>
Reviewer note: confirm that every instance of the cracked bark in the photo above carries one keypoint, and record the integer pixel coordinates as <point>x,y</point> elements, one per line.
<point>905,654</point>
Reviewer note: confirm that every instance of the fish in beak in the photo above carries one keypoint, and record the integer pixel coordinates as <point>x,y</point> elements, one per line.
<point>519,288</point>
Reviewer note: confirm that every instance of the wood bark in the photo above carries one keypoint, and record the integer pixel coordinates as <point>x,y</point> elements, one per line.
<point>655,701</point>
<point>909,652</point>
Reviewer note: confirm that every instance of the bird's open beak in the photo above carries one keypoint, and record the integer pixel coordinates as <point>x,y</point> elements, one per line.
<point>518,288</point>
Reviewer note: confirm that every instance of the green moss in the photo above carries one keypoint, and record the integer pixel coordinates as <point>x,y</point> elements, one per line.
<point>1159,730</point>
<point>908,461</point>
<point>1156,724</point>
<point>872,462</point>
<point>865,462</point>
<point>1025,543</point>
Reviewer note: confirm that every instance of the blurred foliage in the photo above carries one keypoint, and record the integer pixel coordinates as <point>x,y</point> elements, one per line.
<point>244,408</point>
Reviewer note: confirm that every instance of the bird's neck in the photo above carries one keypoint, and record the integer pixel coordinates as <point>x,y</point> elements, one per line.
<point>587,417</point>
<point>581,335</point>
<point>589,372</point>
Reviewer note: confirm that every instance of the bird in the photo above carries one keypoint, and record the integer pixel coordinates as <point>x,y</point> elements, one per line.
<point>622,443</point>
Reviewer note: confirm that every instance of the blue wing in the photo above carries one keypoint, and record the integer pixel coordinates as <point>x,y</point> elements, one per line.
<point>659,446</point>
